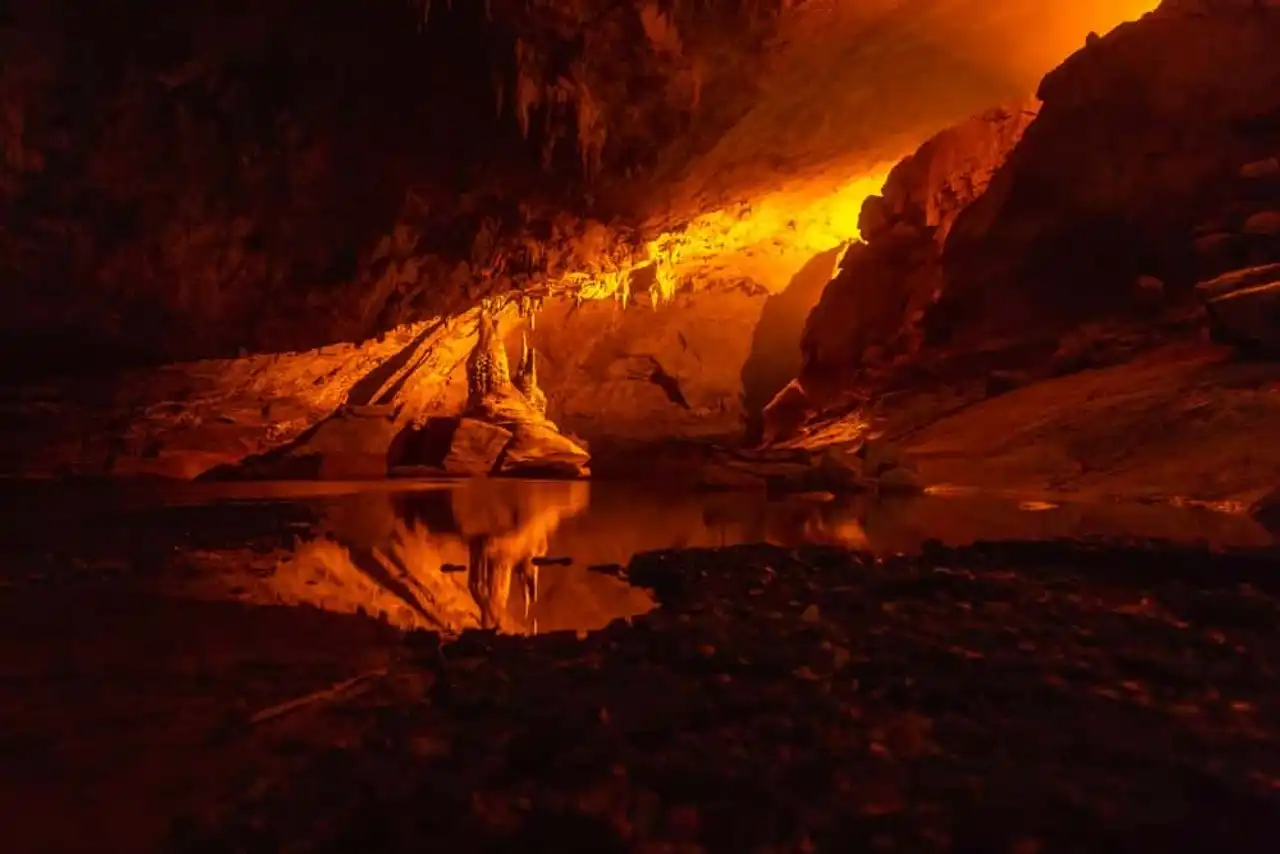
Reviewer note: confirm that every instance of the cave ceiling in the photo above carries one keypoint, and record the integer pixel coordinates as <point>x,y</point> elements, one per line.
<point>231,172</point>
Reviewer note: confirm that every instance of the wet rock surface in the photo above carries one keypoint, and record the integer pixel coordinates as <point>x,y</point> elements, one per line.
<point>1244,309</point>
<point>1024,697</point>
<point>833,468</point>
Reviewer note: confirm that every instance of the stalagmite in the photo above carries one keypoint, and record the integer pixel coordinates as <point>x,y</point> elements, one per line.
<point>487,369</point>
<point>526,379</point>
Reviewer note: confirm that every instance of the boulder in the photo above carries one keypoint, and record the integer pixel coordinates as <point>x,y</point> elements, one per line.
<point>899,481</point>
<point>345,446</point>
<point>841,472</point>
<point>1266,168</point>
<point>475,448</point>
<point>541,450</point>
<point>1265,223</point>
<point>786,413</point>
<point>1267,511</point>
<point>718,475</point>
<point>1244,309</point>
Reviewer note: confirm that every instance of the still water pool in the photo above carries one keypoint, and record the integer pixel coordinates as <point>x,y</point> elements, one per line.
<point>515,556</point>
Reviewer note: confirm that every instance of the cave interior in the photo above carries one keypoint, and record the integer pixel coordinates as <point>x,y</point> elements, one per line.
<point>519,408</point>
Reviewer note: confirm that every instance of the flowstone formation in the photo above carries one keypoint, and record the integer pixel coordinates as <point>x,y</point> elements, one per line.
<point>488,371</point>
<point>408,429</point>
<point>504,428</point>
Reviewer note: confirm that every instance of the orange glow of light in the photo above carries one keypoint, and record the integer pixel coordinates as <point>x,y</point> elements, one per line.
<point>931,63</point>
<point>765,241</point>
<point>770,239</point>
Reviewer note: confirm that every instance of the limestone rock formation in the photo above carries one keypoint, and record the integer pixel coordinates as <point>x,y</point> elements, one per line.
<point>401,164</point>
<point>475,447</point>
<point>1147,162</point>
<point>1140,139</point>
<point>539,449</point>
<point>527,377</point>
<point>504,428</point>
<point>1244,309</point>
<point>873,310</point>
<point>546,149</point>
<point>488,370</point>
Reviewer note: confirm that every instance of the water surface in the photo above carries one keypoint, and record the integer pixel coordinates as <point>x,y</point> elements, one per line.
<point>515,556</point>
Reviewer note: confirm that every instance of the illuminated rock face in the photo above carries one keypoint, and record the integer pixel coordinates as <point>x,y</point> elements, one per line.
<point>488,371</point>
<point>396,169</point>
<point>506,429</point>
<point>873,310</point>
<point>1148,168</point>
<point>205,214</point>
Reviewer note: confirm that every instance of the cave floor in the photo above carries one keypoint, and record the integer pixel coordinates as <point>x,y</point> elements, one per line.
<point>1039,694</point>
<point>1183,421</point>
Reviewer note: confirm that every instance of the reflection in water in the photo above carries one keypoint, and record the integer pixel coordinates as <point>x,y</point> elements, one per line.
<point>467,556</point>
<point>450,560</point>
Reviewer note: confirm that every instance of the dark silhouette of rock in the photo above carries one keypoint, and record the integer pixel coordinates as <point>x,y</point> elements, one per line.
<point>1139,139</point>
<point>1244,309</point>
<point>874,307</point>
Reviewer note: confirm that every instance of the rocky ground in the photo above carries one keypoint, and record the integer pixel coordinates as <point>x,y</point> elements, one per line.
<point>1000,697</point>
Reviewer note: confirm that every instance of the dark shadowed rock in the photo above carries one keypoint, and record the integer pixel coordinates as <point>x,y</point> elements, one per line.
<point>874,305</point>
<point>345,446</point>
<point>1270,167</point>
<point>1138,138</point>
<point>1265,223</point>
<point>898,481</point>
<point>1267,511</point>
<point>1244,309</point>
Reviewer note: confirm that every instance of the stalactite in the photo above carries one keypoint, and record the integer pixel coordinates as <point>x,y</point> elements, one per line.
<point>528,94</point>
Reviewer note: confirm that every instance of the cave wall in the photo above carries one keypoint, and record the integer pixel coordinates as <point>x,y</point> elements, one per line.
<point>647,373</point>
<point>281,175</point>
<point>220,178</point>
<point>1140,141</point>
<point>1075,236</point>
<point>874,310</point>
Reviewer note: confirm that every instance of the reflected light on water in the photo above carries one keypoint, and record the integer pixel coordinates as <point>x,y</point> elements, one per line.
<point>487,554</point>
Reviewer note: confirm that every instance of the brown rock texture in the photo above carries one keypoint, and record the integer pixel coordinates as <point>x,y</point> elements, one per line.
<point>647,373</point>
<point>1141,137</point>
<point>872,310</point>
<point>1244,309</point>
<point>475,447</point>
<point>284,175</point>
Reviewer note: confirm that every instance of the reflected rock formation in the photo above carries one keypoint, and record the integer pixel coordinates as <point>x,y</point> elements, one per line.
<point>466,556</point>
<point>474,571</point>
